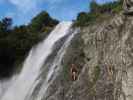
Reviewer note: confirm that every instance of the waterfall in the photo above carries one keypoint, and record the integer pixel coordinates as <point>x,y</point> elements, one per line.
<point>23,87</point>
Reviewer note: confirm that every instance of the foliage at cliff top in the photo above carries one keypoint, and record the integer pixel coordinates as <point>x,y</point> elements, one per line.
<point>98,11</point>
<point>41,21</point>
<point>15,42</point>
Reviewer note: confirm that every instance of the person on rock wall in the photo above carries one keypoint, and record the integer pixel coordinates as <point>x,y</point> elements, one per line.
<point>74,72</point>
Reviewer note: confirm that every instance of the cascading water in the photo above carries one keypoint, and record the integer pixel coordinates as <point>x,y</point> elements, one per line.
<point>25,84</point>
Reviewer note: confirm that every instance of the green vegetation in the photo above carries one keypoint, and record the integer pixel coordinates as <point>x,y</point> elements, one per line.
<point>98,11</point>
<point>66,72</point>
<point>40,21</point>
<point>95,77</point>
<point>97,71</point>
<point>15,42</point>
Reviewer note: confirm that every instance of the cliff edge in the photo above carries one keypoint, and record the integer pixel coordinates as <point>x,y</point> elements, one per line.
<point>105,54</point>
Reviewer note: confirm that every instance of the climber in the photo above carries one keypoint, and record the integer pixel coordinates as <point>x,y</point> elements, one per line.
<point>110,71</point>
<point>74,72</point>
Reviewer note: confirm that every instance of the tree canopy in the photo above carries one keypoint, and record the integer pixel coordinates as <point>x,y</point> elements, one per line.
<point>43,19</point>
<point>15,42</point>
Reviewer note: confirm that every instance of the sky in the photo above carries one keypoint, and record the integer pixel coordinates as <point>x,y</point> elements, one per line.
<point>22,11</point>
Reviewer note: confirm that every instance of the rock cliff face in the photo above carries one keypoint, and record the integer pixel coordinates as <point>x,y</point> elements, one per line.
<point>128,6</point>
<point>104,55</point>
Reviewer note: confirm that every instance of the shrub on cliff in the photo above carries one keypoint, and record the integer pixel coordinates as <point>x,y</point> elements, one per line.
<point>84,19</point>
<point>96,11</point>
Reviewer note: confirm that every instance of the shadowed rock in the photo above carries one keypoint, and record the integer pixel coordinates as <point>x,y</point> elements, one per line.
<point>128,7</point>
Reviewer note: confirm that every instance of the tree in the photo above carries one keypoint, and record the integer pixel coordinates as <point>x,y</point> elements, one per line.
<point>43,19</point>
<point>7,23</point>
<point>94,7</point>
<point>15,42</point>
<point>82,17</point>
<point>5,27</point>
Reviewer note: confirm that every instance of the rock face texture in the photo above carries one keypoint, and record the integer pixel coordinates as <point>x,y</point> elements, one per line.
<point>128,6</point>
<point>109,46</point>
<point>104,56</point>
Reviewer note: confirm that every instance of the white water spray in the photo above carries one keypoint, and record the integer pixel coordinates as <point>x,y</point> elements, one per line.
<point>27,79</point>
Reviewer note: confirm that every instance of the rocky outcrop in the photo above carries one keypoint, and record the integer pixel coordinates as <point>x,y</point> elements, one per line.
<point>108,45</point>
<point>105,60</point>
<point>128,6</point>
<point>106,71</point>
